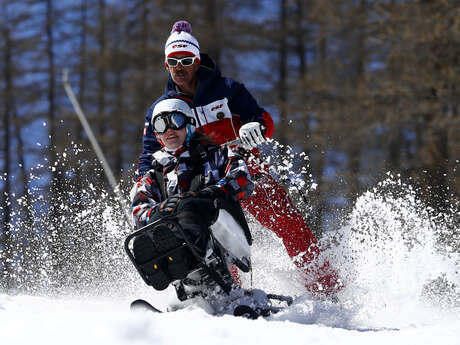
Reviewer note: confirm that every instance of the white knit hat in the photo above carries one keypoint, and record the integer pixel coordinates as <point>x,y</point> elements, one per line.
<point>181,41</point>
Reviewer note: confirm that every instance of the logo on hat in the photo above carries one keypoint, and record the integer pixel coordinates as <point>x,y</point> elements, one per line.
<point>182,41</point>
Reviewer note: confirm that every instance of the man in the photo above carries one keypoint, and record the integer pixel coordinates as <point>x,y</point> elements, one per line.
<point>224,110</point>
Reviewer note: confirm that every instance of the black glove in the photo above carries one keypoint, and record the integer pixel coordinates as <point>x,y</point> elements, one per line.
<point>169,205</point>
<point>211,192</point>
<point>198,210</point>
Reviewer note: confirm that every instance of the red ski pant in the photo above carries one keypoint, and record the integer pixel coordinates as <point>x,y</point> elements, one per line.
<point>273,208</point>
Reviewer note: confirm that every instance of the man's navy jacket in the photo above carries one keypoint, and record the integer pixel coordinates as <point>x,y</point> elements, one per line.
<point>220,107</point>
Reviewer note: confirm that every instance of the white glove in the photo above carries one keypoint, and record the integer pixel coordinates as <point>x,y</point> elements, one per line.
<point>251,135</point>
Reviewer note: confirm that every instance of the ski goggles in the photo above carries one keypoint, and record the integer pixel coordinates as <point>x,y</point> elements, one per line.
<point>185,61</point>
<point>175,121</point>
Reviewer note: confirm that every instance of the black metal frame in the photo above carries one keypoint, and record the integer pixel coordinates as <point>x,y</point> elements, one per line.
<point>172,223</point>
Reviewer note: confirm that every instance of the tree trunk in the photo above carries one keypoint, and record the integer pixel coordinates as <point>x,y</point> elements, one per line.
<point>117,120</point>
<point>5,239</point>
<point>82,71</point>
<point>51,86</point>
<point>318,195</point>
<point>211,17</point>
<point>82,68</point>
<point>354,149</point>
<point>300,39</point>
<point>144,58</point>
<point>299,34</point>
<point>301,56</point>
<point>101,73</point>
<point>436,166</point>
<point>56,182</point>
<point>394,149</point>
<point>282,72</point>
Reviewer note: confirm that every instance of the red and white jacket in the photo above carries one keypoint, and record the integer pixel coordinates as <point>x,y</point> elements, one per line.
<point>220,107</point>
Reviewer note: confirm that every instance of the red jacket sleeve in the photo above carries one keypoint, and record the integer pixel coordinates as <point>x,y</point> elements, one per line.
<point>269,125</point>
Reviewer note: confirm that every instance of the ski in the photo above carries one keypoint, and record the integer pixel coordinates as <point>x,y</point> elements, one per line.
<point>247,312</point>
<point>141,304</point>
<point>254,313</point>
<point>240,311</point>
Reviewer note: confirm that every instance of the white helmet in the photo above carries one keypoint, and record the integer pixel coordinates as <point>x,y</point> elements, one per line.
<point>172,105</point>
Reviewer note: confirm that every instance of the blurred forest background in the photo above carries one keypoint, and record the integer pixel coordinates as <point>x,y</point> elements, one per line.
<point>363,87</point>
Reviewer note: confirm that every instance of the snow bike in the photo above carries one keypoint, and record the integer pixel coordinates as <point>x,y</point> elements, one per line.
<point>163,254</point>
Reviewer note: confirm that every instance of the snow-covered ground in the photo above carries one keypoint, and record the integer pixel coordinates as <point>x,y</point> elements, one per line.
<point>401,287</point>
<point>37,320</point>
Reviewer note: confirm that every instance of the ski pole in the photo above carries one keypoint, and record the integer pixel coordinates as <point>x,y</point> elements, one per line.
<point>97,149</point>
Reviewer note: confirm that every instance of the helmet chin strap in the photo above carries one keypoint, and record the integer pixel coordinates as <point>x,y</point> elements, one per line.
<point>172,151</point>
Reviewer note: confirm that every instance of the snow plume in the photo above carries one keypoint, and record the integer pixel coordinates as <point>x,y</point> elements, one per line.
<point>398,260</point>
<point>273,270</point>
<point>292,169</point>
<point>67,236</point>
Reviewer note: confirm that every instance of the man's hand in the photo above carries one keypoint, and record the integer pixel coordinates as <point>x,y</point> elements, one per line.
<point>251,135</point>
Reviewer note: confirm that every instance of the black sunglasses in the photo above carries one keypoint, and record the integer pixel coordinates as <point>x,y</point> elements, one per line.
<point>170,120</point>
<point>186,61</point>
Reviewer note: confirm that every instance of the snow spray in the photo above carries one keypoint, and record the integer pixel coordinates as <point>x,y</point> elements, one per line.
<point>397,266</point>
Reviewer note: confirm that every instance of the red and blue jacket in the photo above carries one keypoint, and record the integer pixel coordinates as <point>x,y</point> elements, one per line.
<point>220,107</point>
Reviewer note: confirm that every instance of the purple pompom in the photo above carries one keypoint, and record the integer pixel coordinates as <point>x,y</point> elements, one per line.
<point>182,25</point>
